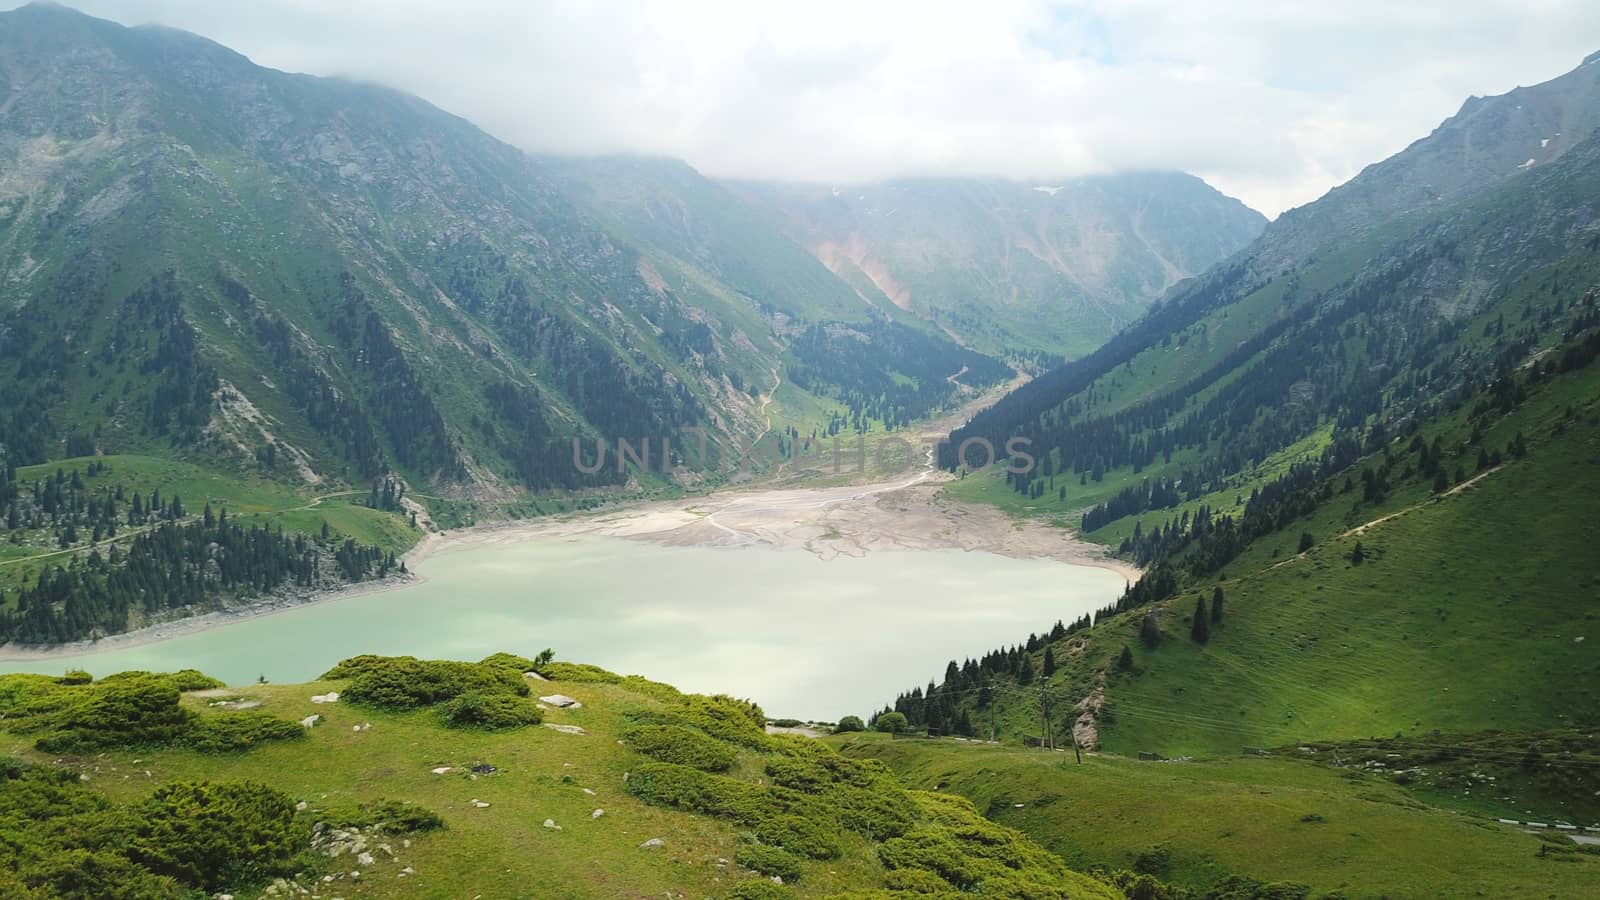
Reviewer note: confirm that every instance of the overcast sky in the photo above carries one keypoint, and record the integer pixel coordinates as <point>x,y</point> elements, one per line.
<point>1273,101</point>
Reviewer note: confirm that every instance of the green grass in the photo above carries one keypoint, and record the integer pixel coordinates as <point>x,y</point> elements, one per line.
<point>494,843</point>
<point>1272,819</point>
<point>1466,616</point>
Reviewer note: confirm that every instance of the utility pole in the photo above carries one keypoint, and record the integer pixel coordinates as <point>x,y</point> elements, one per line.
<point>1045,740</point>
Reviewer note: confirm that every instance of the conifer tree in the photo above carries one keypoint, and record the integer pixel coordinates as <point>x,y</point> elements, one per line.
<point>1150,630</point>
<point>1125,661</point>
<point>1200,626</point>
<point>1049,660</point>
<point>1216,606</point>
<point>1358,555</point>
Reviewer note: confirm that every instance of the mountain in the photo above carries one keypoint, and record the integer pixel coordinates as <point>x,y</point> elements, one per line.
<point>1030,270</point>
<point>1368,435</point>
<point>207,256</point>
<point>333,282</point>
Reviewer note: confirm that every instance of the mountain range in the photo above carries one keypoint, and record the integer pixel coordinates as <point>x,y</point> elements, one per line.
<point>205,256</point>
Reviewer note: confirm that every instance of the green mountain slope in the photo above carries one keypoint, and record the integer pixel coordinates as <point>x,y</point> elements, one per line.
<point>1379,456</point>
<point>1035,271</point>
<point>1439,587</point>
<point>206,254</point>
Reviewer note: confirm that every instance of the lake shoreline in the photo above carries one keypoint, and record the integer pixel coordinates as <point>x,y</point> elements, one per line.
<point>906,515</point>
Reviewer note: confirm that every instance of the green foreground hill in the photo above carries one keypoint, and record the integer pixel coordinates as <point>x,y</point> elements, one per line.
<point>440,779</point>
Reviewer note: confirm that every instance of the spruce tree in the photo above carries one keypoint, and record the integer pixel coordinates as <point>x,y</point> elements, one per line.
<point>1049,660</point>
<point>1150,630</point>
<point>1216,606</point>
<point>1125,661</point>
<point>1358,555</point>
<point>1200,625</point>
<point>1025,670</point>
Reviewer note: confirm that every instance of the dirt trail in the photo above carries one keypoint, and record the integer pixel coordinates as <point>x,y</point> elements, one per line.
<point>1362,529</point>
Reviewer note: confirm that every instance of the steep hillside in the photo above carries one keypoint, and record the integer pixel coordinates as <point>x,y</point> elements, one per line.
<point>1438,586</point>
<point>243,265</point>
<point>1352,336</point>
<point>1033,271</point>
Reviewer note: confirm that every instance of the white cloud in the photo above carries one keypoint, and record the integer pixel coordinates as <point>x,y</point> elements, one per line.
<point>1274,102</point>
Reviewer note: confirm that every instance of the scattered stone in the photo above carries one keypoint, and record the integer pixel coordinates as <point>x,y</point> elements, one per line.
<point>551,823</point>
<point>589,792</point>
<point>364,726</point>
<point>408,871</point>
<point>309,721</point>
<point>561,700</point>
<point>565,729</point>
<point>480,804</point>
<point>652,844</point>
<point>329,697</point>
<point>365,858</point>
<point>484,769</point>
<point>535,676</point>
<point>597,814</point>
<point>442,770</point>
<point>301,806</point>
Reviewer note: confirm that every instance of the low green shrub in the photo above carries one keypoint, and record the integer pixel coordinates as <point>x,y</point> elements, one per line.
<point>490,711</point>
<point>195,680</point>
<point>510,661</point>
<point>799,835</point>
<point>769,861</point>
<point>728,719</point>
<point>674,744</point>
<point>916,881</point>
<point>405,682</point>
<point>206,834</point>
<point>875,813</point>
<point>74,677</point>
<point>659,691</point>
<point>386,817</point>
<point>227,732</point>
<point>683,787</point>
<point>141,709</point>
<point>849,724</point>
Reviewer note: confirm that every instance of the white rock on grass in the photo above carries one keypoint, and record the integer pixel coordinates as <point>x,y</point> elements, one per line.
<point>309,721</point>
<point>329,697</point>
<point>597,814</point>
<point>441,770</point>
<point>652,844</point>
<point>551,823</point>
<point>561,700</point>
<point>565,729</point>
<point>480,804</point>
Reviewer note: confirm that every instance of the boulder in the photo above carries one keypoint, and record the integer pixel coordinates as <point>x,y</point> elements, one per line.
<point>652,844</point>
<point>561,700</point>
